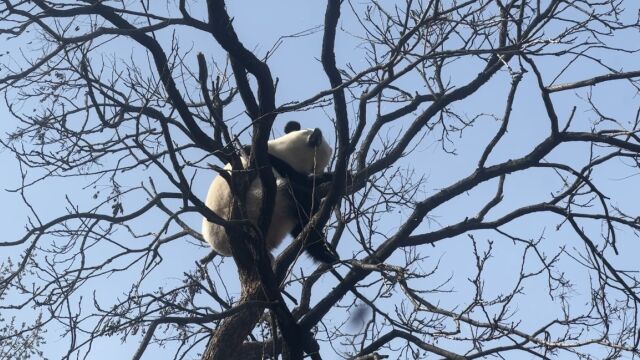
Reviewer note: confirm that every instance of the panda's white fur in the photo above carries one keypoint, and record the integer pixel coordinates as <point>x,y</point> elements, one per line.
<point>293,149</point>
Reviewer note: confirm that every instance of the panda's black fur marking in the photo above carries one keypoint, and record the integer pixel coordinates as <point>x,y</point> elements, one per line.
<point>291,126</point>
<point>307,203</point>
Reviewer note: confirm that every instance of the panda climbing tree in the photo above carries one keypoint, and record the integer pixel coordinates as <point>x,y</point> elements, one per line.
<point>298,159</point>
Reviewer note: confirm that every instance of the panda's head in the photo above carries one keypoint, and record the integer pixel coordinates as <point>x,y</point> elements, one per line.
<point>305,150</point>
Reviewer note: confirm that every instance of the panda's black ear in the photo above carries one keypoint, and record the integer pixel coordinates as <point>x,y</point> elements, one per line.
<point>291,126</point>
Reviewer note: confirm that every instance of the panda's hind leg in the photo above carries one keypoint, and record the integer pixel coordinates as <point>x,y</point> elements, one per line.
<point>316,245</point>
<point>305,202</point>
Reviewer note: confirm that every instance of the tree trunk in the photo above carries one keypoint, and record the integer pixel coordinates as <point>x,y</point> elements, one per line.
<point>232,332</point>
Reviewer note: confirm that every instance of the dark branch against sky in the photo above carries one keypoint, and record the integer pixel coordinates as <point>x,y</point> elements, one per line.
<point>485,172</point>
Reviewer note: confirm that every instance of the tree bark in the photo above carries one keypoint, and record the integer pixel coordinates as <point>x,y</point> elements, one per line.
<point>229,336</point>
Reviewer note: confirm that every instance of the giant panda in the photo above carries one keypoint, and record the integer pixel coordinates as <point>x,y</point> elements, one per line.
<point>298,159</point>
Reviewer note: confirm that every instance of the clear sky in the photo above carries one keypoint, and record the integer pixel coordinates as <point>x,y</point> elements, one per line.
<point>296,64</point>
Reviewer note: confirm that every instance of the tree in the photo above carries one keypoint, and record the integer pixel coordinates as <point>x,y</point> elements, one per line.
<point>484,205</point>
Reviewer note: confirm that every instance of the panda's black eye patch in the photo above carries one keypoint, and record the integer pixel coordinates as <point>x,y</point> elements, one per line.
<point>315,139</point>
<point>291,126</point>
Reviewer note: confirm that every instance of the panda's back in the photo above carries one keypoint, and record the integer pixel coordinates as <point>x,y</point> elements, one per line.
<point>220,200</point>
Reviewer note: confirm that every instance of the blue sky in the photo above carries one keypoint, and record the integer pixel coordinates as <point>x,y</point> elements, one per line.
<point>296,64</point>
